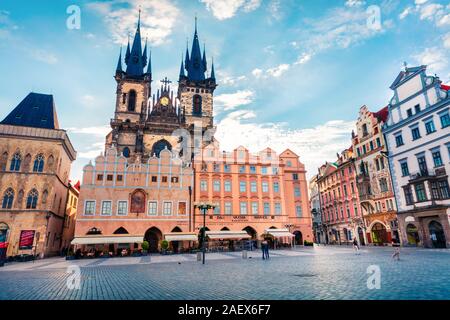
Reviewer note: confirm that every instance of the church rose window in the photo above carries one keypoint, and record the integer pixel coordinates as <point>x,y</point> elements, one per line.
<point>138,202</point>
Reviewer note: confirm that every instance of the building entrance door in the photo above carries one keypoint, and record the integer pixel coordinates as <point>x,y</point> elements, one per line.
<point>361,236</point>
<point>379,234</point>
<point>437,234</point>
<point>153,236</point>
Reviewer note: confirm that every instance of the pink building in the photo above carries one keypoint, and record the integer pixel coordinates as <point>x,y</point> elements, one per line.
<point>341,213</point>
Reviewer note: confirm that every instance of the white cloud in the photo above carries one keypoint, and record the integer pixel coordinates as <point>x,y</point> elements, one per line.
<point>446,39</point>
<point>278,71</point>
<point>226,9</point>
<point>230,101</point>
<point>88,100</point>
<point>257,73</point>
<point>44,56</point>
<point>354,3</point>
<point>303,58</point>
<point>92,152</point>
<point>100,131</point>
<point>434,12</point>
<point>158,18</point>
<point>435,58</point>
<point>314,145</point>
<point>406,13</point>
<point>429,11</point>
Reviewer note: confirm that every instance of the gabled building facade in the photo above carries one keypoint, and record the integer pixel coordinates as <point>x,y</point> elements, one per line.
<point>418,139</point>
<point>36,156</point>
<point>373,178</point>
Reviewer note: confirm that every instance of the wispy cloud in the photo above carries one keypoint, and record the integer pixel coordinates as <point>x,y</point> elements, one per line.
<point>230,101</point>
<point>226,9</point>
<point>158,18</point>
<point>44,56</point>
<point>100,130</point>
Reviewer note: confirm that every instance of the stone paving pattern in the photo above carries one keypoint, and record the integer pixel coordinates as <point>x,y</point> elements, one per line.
<point>306,273</point>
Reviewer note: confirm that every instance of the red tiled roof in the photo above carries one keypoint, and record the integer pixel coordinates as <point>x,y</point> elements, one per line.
<point>77,185</point>
<point>382,114</point>
<point>445,87</point>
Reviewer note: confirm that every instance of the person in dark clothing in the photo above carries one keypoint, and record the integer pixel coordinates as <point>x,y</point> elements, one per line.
<point>265,249</point>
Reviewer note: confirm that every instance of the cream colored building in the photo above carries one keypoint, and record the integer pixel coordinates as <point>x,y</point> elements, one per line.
<point>35,160</point>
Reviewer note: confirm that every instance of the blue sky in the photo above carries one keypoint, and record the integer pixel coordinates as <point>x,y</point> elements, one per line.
<point>291,73</point>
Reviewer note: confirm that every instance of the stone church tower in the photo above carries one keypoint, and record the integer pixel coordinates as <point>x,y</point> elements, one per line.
<point>146,123</point>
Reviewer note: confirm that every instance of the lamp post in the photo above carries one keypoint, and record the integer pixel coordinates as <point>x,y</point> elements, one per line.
<point>204,207</point>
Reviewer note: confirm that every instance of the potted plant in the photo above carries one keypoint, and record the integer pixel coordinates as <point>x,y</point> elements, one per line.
<point>164,246</point>
<point>145,246</point>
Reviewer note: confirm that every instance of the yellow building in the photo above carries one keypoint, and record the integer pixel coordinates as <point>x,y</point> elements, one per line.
<point>35,160</point>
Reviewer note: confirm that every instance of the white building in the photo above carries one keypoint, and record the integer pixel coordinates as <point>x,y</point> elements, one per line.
<point>417,134</point>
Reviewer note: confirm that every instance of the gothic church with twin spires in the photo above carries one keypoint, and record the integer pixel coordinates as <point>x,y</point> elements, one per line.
<point>145,117</point>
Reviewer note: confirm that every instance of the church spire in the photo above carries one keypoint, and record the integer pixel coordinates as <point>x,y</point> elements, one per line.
<point>135,66</point>
<point>182,74</point>
<point>119,63</point>
<point>127,53</point>
<point>195,67</point>
<point>205,65</point>
<point>149,67</point>
<point>213,74</point>
<point>144,55</point>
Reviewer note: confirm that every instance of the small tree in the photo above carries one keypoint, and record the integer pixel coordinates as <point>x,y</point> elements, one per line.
<point>145,246</point>
<point>164,245</point>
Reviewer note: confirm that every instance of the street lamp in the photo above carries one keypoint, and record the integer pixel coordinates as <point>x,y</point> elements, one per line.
<point>204,207</point>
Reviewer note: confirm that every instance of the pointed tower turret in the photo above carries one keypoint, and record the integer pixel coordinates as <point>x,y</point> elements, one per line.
<point>205,65</point>
<point>135,66</point>
<point>213,74</point>
<point>149,66</point>
<point>119,63</point>
<point>195,68</point>
<point>144,55</point>
<point>127,53</point>
<point>182,74</point>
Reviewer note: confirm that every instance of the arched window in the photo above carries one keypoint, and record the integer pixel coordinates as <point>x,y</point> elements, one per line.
<point>138,202</point>
<point>132,101</point>
<point>121,230</point>
<point>8,199</point>
<point>32,199</point>
<point>4,161</point>
<point>15,162</point>
<point>160,146</point>
<point>38,163</point>
<point>126,152</point>
<point>94,230</point>
<point>197,105</point>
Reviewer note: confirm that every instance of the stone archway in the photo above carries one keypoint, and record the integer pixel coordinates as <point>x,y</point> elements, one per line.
<point>153,236</point>
<point>175,244</point>
<point>160,146</point>
<point>379,234</point>
<point>252,232</point>
<point>437,234</point>
<point>4,228</point>
<point>298,240</point>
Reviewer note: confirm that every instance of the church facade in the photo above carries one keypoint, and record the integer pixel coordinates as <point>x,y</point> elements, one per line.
<point>146,184</point>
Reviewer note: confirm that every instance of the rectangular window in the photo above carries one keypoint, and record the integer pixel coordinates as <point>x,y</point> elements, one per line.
<point>227,168</point>
<point>263,170</point>
<point>242,169</point>
<point>378,142</point>
<point>275,170</point>
<point>216,185</point>
<point>228,208</point>
<point>298,211</point>
<point>415,132</point>
<point>444,189</point>
<point>119,177</point>
<point>217,209</point>
<point>437,159</point>
<point>255,208</point>
<point>405,169</point>
<point>242,186</point>
<point>182,208</point>
<point>227,186</point>
<point>266,208</point>
<point>364,149</point>
<point>203,185</point>
<point>106,208</point>
<point>297,192</point>
<point>420,192</point>
<point>122,208</point>
<point>253,187</point>
<point>243,207</point>
<point>154,179</point>
<point>445,120</point>
<point>89,208</point>
<point>371,145</point>
<point>152,208</point>
<point>295,176</point>
<point>278,208</point>
<point>216,167</point>
<point>422,165</point>
<point>399,140</point>
<point>164,179</point>
<point>174,179</point>
<point>429,126</point>
<point>377,164</point>
<point>417,108</point>
<point>109,177</point>
<point>252,169</point>
<point>383,185</point>
<point>167,208</point>
<point>265,186</point>
<point>276,187</point>
<point>99,177</point>
<point>409,113</point>
<point>408,195</point>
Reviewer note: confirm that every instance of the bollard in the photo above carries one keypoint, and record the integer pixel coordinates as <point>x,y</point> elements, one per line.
<point>199,256</point>
<point>244,254</point>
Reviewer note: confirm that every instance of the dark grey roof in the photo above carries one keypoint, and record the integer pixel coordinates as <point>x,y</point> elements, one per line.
<point>36,110</point>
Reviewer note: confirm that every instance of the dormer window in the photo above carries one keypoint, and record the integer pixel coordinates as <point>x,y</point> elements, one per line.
<point>364,129</point>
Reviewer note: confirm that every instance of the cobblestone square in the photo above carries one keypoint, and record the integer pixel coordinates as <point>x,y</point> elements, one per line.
<point>306,273</point>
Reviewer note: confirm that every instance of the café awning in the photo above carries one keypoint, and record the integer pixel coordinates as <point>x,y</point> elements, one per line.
<point>181,236</point>
<point>100,239</point>
<point>280,233</point>
<point>227,235</point>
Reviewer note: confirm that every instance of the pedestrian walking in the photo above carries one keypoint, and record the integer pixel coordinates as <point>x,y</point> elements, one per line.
<point>265,249</point>
<point>396,254</point>
<point>355,245</point>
